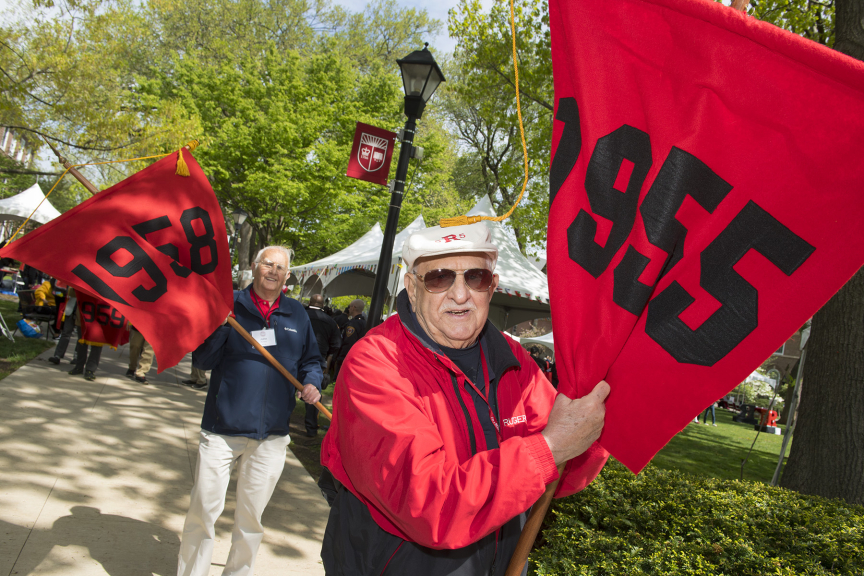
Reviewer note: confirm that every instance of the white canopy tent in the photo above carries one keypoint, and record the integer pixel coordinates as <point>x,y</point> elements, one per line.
<point>352,270</point>
<point>523,290</point>
<point>20,206</point>
<point>545,340</point>
<point>522,294</point>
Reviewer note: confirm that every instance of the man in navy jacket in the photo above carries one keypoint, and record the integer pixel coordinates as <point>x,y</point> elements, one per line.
<point>246,414</point>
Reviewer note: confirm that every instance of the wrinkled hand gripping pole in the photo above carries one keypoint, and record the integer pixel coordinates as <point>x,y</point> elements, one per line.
<point>183,170</point>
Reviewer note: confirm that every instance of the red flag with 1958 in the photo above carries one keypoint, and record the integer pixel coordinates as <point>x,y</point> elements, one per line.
<point>154,246</point>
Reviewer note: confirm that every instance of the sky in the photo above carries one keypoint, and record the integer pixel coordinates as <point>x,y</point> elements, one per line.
<point>436,8</point>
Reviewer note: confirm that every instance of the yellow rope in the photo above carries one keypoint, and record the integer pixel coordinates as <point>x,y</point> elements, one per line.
<point>191,145</point>
<point>462,220</point>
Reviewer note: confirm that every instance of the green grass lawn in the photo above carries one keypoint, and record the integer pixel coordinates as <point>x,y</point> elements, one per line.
<point>15,354</point>
<point>717,452</point>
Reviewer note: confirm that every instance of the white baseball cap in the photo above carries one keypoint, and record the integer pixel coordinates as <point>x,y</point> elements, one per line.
<point>437,241</point>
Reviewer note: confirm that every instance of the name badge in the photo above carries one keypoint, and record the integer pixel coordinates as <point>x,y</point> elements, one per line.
<point>265,337</point>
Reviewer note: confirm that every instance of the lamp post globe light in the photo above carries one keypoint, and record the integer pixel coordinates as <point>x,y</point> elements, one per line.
<point>421,76</point>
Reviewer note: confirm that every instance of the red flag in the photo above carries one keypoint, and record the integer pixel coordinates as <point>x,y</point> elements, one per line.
<point>705,201</point>
<point>371,154</point>
<point>154,246</point>
<point>101,322</point>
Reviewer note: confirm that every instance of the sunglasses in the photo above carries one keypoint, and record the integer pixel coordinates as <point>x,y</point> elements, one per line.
<point>437,281</point>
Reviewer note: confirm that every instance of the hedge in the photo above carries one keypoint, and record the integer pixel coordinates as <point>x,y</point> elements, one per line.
<point>670,523</point>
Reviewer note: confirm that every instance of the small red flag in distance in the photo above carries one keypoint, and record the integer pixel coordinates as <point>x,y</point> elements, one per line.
<point>101,322</point>
<point>705,201</point>
<point>371,154</point>
<point>154,246</point>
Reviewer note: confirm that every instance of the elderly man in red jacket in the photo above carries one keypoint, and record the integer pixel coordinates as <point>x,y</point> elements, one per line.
<point>445,431</point>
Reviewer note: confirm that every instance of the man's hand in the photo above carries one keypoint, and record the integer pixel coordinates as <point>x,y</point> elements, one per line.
<point>310,394</point>
<point>575,424</point>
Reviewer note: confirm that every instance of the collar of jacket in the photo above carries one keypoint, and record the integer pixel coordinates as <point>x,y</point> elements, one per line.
<point>499,356</point>
<point>244,297</point>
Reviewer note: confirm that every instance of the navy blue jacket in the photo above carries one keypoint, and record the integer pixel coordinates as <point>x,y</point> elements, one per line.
<point>248,396</point>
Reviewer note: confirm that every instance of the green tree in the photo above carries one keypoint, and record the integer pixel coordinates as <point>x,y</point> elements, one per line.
<point>69,73</point>
<point>481,106</point>
<point>827,457</point>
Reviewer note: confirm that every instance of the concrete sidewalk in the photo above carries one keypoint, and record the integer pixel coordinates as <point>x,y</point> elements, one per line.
<point>96,477</point>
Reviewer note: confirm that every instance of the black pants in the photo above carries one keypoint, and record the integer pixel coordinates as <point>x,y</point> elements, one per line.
<point>66,334</point>
<point>85,362</point>
<point>311,420</point>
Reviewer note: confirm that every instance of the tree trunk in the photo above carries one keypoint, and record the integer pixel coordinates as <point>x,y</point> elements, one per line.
<point>827,456</point>
<point>849,27</point>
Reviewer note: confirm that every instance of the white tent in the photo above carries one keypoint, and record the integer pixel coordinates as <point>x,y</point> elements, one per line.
<point>22,205</point>
<point>522,294</point>
<point>545,340</point>
<point>352,269</point>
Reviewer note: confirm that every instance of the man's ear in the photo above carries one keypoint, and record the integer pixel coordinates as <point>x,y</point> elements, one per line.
<point>493,286</point>
<point>410,287</point>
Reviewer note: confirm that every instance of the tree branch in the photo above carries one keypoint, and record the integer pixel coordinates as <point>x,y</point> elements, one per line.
<point>79,147</point>
<point>522,90</point>
<point>30,172</point>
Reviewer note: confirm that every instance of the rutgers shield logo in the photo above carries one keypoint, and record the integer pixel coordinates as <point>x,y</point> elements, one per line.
<point>372,152</point>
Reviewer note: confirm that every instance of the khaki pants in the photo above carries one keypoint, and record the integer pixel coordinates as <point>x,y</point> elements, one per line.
<point>140,354</point>
<point>198,376</point>
<point>259,465</point>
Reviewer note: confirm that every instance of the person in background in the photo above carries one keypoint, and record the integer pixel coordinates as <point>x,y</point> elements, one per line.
<point>329,343</point>
<point>67,327</point>
<point>140,356</point>
<point>246,415</point>
<point>197,379</point>
<point>342,318</point>
<point>354,330</point>
<point>87,354</point>
<point>705,415</point>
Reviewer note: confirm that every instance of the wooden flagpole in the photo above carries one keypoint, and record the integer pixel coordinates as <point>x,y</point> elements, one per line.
<point>72,170</point>
<point>93,190</point>
<point>532,528</point>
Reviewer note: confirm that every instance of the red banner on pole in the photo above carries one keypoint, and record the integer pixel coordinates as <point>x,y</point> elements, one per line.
<point>705,202</point>
<point>371,154</point>
<point>154,246</point>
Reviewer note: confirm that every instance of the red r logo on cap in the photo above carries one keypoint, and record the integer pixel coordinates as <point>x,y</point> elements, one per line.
<point>451,238</point>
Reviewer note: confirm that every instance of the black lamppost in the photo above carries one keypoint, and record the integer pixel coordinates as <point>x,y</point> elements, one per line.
<point>239,215</point>
<point>421,76</point>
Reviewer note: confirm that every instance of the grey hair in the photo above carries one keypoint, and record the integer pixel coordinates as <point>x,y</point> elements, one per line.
<point>287,252</point>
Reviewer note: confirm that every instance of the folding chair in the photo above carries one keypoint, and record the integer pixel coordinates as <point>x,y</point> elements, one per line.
<point>26,300</point>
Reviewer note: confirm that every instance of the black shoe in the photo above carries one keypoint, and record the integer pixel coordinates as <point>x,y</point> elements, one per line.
<point>73,361</point>
<point>189,382</point>
<point>141,379</point>
<point>54,360</point>
<point>89,375</point>
<point>199,386</point>
<point>311,433</point>
<point>130,373</point>
<point>75,371</point>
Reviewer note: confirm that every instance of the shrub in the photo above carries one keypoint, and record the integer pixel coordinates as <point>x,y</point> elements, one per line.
<point>666,522</point>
